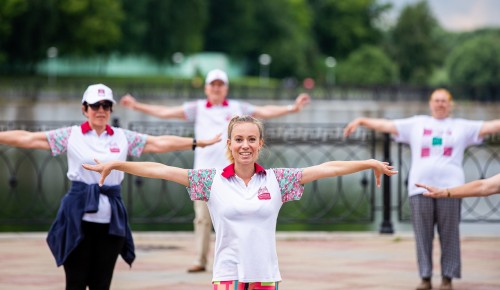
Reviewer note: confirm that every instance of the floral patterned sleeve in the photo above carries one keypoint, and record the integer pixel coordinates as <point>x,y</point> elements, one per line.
<point>58,140</point>
<point>136,142</point>
<point>200,183</point>
<point>289,182</point>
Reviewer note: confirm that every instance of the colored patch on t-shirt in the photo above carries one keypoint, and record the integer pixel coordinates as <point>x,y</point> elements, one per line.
<point>426,152</point>
<point>448,151</point>
<point>436,141</point>
<point>427,132</point>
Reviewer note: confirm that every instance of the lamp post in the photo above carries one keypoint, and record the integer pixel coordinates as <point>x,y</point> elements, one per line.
<point>264,60</point>
<point>330,63</point>
<point>52,53</point>
<point>177,58</point>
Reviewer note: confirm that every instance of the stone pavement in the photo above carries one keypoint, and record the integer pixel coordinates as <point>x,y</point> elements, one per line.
<point>308,261</point>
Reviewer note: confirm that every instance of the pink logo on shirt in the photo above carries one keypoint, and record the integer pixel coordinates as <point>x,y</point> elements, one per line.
<point>447,151</point>
<point>264,194</point>
<point>113,148</point>
<point>427,132</point>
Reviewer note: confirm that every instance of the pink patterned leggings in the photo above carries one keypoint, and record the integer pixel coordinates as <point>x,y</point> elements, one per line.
<point>235,285</point>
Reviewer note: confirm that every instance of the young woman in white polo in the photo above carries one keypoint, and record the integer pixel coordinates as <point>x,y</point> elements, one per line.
<point>91,228</point>
<point>244,200</point>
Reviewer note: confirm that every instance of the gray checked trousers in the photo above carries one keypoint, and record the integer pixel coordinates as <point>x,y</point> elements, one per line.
<point>426,212</point>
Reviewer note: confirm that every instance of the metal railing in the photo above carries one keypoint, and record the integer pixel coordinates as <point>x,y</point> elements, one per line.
<point>184,90</point>
<point>32,182</point>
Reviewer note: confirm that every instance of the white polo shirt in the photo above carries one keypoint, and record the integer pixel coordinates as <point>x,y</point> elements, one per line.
<point>210,120</point>
<point>437,149</point>
<point>244,218</point>
<point>82,145</point>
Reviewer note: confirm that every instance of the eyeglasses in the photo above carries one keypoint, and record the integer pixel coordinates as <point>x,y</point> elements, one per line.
<point>106,106</point>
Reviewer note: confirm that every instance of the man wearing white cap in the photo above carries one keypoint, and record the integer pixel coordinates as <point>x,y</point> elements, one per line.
<point>211,116</point>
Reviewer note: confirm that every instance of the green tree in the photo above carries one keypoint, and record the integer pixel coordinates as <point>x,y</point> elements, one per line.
<point>415,45</point>
<point>231,27</point>
<point>88,27</point>
<point>340,27</point>
<point>161,28</point>
<point>8,10</point>
<point>284,33</point>
<point>27,39</point>
<point>75,27</point>
<point>368,65</point>
<point>246,29</point>
<point>476,63</point>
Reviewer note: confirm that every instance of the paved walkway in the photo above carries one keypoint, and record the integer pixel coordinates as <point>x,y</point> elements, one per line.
<point>308,261</point>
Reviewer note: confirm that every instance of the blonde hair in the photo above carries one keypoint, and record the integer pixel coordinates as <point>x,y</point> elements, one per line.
<point>444,91</point>
<point>242,119</point>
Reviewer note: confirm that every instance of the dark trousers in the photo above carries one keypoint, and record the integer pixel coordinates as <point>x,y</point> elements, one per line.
<point>93,261</point>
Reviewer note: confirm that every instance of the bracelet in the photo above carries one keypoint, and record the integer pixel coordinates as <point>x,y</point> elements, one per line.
<point>448,191</point>
<point>289,108</point>
<point>194,143</point>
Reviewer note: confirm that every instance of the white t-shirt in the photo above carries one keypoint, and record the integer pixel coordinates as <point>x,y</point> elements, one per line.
<point>437,149</point>
<point>82,145</point>
<point>244,218</point>
<point>210,120</point>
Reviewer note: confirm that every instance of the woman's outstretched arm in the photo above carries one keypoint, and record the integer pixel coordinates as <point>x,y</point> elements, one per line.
<point>338,168</point>
<point>481,187</point>
<point>24,139</point>
<point>144,169</point>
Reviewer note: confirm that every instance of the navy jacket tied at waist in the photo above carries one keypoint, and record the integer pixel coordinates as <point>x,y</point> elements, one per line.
<point>66,231</point>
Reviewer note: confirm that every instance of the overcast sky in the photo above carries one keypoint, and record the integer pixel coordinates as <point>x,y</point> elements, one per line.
<point>458,15</point>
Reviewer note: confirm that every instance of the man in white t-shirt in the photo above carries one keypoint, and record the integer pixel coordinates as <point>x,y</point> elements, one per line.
<point>437,145</point>
<point>211,116</point>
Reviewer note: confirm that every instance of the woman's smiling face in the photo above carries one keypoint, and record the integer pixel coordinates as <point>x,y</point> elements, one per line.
<point>245,143</point>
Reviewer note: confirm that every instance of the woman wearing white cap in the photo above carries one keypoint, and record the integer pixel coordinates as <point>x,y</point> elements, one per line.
<point>91,228</point>
<point>244,200</point>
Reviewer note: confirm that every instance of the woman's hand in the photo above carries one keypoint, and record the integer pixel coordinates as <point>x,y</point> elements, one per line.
<point>103,168</point>
<point>351,127</point>
<point>300,102</point>
<point>128,101</point>
<point>380,168</point>
<point>432,191</point>
<point>205,142</point>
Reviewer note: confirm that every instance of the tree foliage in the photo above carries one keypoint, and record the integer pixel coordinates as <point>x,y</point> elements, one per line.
<point>161,28</point>
<point>368,65</point>
<point>476,61</point>
<point>280,28</point>
<point>231,27</point>
<point>75,27</point>
<point>26,40</point>
<point>340,27</point>
<point>88,26</point>
<point>285,38</point>
<point>415,46</point>
<point>297,34</point>
<point>9,9</point>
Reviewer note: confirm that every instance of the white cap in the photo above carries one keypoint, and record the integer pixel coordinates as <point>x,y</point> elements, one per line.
<point>97,93</point>
<point>216,74</point>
